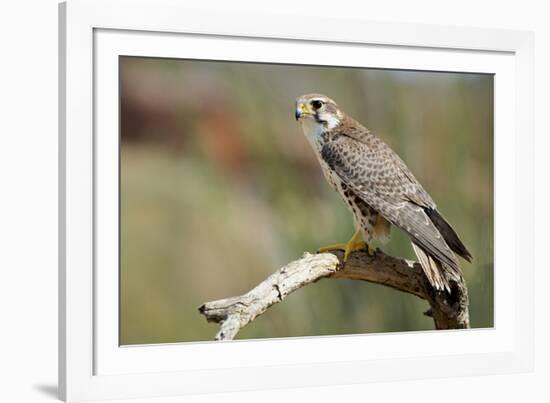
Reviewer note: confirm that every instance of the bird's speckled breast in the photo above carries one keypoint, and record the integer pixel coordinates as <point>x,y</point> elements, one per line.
<point>364,217</point>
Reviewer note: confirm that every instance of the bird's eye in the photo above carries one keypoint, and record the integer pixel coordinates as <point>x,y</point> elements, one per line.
<point>316,104</point>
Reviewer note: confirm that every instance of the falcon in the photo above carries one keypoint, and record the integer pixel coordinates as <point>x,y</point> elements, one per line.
<point>379,189</point>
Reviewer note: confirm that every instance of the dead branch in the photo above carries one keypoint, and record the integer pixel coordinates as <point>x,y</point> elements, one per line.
<point>449,311</point>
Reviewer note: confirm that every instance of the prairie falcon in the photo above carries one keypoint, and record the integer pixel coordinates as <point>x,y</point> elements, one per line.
<point>379,189</point>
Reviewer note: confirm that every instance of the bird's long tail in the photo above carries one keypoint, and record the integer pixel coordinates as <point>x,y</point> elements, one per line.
<point>437,273</point>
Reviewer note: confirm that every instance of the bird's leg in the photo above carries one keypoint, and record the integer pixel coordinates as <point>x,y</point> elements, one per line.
<point>354,244</point>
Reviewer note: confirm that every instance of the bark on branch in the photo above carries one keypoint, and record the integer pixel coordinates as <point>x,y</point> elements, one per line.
<point>449,311</point>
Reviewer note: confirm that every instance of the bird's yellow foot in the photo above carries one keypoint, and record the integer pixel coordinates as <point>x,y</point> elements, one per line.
<point>352,246</point>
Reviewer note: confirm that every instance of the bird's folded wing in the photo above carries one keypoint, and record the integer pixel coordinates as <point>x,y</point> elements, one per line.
<point>384,184</point>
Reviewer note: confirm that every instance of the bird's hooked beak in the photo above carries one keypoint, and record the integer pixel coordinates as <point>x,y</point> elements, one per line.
<point>301,110</point>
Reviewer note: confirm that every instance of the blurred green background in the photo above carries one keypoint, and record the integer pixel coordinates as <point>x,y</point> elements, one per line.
<point>219,188</point>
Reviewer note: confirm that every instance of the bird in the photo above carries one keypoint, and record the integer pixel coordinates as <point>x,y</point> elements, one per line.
<point>380,191</point>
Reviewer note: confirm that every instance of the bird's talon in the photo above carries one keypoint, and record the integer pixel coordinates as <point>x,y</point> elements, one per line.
<point>353,247</point>
<point>336,246</point>
<point>371,251</point>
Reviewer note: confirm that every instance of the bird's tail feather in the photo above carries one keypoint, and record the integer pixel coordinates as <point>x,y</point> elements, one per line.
<point>438,273</point>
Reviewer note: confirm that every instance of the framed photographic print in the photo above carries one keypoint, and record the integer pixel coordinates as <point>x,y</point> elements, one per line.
<point>245,206</point>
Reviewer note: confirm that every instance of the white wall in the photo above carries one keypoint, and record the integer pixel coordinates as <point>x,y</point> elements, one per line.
<point>28,202</point>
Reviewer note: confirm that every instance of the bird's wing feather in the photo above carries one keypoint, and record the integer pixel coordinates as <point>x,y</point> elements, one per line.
<point>380,178</point>
<point>373,148</point>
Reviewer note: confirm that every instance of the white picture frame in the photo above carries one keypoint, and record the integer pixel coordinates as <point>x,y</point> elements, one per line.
<point>92,365</point>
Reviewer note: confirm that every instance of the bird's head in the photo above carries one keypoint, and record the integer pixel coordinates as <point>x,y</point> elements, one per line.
<point>317,111</point>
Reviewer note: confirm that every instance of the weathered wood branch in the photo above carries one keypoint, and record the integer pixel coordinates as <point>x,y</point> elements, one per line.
<point>449,311</point>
